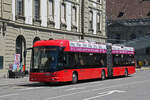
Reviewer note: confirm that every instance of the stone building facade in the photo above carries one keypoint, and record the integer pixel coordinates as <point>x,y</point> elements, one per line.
<point>22,22</point>
<point>128,20</point>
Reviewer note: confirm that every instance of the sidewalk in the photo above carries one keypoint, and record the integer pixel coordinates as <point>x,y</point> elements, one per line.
<point>143,68</point>
<point>3,73</point>
<point>13,81</point>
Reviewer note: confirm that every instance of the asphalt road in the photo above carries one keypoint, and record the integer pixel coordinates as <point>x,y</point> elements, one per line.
<point>134,87</point>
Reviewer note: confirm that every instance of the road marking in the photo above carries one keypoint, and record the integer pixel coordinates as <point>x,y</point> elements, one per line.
<point>104,94</point>
<point>2,96</point>
<point>32,88</point>
<point>82,87</point>
<point>85,91</point>
<point>62,96</point>
<point>113,91</point>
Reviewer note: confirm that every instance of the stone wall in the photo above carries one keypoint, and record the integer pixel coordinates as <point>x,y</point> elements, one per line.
<point>7,9</point>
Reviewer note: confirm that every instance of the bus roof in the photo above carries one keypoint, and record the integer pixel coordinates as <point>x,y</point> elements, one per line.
<point>84,46</point>
<point>122,50</point>
<point>51,43</point>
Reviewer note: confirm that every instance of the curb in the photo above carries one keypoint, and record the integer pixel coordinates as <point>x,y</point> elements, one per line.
<point>3,75</point>
<point>20,83</point>
<point>12,84</point>
<point>9,82</point>
<point>142,69</point>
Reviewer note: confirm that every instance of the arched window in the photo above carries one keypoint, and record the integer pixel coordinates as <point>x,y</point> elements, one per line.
<point>20,47</point>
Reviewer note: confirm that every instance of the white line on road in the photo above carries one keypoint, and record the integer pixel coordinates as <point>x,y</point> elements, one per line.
<point>2,96</point>
<point>32,88</point>
<point>85,91</point>
<point>83,87</point>
<point>104,94</point>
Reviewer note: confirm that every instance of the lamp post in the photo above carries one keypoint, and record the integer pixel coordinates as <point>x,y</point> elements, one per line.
<point>82,19</point>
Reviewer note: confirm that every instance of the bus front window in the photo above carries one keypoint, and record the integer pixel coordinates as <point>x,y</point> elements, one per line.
<point>44,59</point>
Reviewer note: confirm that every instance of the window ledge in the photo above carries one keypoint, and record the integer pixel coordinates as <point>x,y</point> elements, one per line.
<point>20,18</point>
<point>50,23</point>
<point>51,19</point>
<point>99,32</point>
<point>37,22</point>
<point>63,26</point>
<point>74,28</point>
<point>91,30</point>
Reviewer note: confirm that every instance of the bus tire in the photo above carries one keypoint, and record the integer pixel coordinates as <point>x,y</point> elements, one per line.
<point>103,77</point>
<point>74,78</point>
<point>126,73</point>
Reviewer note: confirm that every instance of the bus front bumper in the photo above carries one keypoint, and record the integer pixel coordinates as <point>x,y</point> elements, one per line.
<point>36,77</point>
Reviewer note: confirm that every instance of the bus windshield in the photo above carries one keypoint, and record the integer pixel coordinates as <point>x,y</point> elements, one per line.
<point>44,59</point>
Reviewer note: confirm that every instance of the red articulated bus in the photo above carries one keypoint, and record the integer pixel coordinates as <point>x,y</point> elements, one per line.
<point>65,60</point>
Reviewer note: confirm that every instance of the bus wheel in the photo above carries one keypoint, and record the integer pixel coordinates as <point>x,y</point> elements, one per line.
<point>74,78</point>
<point>103,75</point>
<point>126,73</point>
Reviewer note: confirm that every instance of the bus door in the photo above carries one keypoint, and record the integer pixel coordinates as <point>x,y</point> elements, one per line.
<point>109,61</point>
<point>54,60</point>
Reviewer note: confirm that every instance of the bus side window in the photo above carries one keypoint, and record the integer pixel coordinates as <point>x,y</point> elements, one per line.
<point>81,60</point>
<point>76,59</point>
<point>65,59</point>
<point>102,62</point>
<point>73,59</point>
<point>114,60</point>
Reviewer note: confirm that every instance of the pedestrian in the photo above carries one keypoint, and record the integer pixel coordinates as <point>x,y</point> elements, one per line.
<point>140,63</point>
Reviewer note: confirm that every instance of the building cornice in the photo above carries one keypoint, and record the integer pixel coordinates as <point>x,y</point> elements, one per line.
<point>131,22</point>
<point>95,36</point>
<point>58,31</point>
